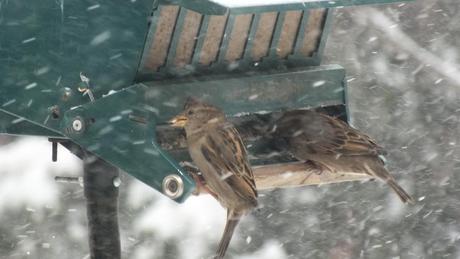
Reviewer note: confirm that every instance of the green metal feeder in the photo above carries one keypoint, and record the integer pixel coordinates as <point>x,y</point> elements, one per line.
<point>141,59</point>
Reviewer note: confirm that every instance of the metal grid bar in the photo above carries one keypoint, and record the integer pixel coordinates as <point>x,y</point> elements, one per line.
<point>178,27</point>
<point>188,38</point>
<point>238,38</point>
<point>301,32</point>
<point>288,33</point>
<point>327,22</point>
<point>313,32</point>
<point>251,36</point>
<point>213,40</point>
<point>263,36</point>
<point>200,39</point>
<point>163,25</point>
<point>225,39</point>
<point>276,34</point>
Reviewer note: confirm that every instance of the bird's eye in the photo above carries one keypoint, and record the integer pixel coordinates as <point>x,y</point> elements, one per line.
<point>190,113</point>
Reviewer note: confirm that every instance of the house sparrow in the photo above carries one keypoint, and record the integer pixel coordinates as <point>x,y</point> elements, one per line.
<point>218,151</point>
<point>327,143</point>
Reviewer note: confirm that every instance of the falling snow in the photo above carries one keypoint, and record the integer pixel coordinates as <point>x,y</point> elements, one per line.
<point>403,82</point>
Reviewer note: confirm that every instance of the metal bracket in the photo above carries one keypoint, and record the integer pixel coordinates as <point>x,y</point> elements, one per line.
<point>118,129</point>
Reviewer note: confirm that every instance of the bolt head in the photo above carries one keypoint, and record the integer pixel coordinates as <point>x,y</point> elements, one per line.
<point>173,186</point>
<point>116,181</point>
<point>77,125</point>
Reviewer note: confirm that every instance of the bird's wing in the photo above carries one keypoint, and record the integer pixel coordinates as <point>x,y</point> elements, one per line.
<point>350,141</point>
<point>318,133</point>
<point>225,152</point>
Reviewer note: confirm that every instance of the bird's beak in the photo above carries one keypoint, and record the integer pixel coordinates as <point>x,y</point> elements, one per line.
<point>178,121</point>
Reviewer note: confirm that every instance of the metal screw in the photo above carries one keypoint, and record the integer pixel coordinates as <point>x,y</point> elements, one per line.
<point>173,186</point>
<point>116,181</point>
<point>77,125</point>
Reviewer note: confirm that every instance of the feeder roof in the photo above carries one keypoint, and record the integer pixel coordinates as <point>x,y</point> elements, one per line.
<point>217,7</point>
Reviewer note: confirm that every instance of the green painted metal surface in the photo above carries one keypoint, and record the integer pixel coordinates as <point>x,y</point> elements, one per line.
<point>262,92</point>
<point>13,125</point>
<point>124,134</point>
<point>309,87</point>
<point>45,45</point>
<point>219,7</point>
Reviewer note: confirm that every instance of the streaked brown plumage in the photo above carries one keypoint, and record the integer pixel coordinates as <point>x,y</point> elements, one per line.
<point>218,151</point>
<point>327,143</point>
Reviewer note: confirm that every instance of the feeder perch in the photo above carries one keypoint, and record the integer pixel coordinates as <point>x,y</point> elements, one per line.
<point>142,59</point>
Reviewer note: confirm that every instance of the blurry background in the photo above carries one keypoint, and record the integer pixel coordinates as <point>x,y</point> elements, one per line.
<point>402,63</point>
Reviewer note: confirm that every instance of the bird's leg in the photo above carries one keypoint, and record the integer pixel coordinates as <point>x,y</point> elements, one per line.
<point>314,168</point>
<point>202,186</point>
<point>194,172</point>
<point>190,167</point>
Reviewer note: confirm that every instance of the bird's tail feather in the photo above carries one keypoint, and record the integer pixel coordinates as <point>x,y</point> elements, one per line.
<point>232,222</point>
<point>402,194</point>
<point>380,172</point>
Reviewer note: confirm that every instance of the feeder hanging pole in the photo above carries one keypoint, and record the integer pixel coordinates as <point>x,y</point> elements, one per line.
<point>101,192</point>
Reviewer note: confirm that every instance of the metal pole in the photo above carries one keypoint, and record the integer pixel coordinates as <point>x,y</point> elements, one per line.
<point>101,192</point>
<point>101,181</point>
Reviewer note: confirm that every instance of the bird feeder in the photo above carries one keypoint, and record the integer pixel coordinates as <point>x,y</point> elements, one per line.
<point>108,76</point>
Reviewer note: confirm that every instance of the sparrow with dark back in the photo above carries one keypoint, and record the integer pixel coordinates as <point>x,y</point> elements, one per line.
<point>328,143</point>
<point>216,148</point>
